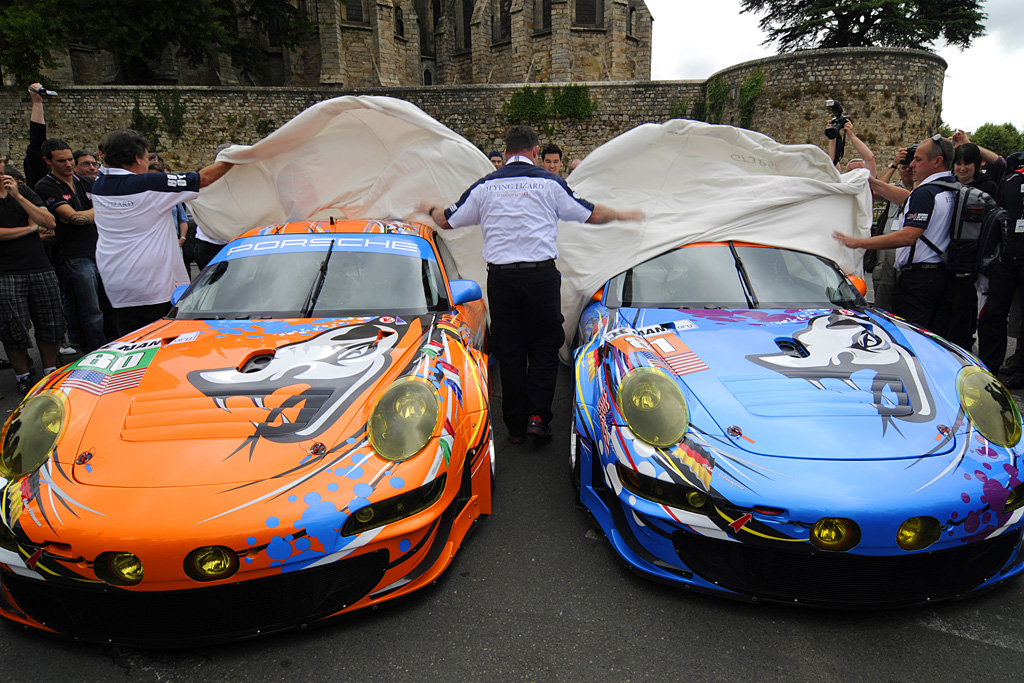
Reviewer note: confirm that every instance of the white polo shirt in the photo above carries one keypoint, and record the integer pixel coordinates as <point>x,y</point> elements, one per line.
<point>136,250</point>
<point>518,208</point>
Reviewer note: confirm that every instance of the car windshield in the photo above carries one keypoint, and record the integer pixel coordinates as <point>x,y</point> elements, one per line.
<point>733,276</point>
<point>290,285</point>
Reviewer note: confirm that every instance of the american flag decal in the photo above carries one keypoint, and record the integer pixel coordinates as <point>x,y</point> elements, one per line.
<point>676,354</point>
<point>99,383</point>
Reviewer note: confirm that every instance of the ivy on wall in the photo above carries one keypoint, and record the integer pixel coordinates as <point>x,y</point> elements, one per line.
<point>146,125</point>
<point>532,107</point>
<point>172,112</point>
<point>749,92</point>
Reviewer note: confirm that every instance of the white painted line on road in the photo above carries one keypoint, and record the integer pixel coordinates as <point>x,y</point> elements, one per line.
<point>989,629</point>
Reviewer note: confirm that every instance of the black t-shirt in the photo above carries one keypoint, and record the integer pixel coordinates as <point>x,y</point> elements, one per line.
<point>24,254</point>
<point>75,241</point>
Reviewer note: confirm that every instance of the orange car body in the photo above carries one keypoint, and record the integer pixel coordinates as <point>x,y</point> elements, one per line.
<point>250,435</point>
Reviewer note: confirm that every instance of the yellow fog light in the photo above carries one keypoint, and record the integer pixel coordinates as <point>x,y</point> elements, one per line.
<point>404,419</point>
<point>835,533</point>
<point>918,533</point>
<point>696,499</point>
<point>211,563</point>
<point>654,407</point>
<point>32,431</point>
<point>119,568</point>
<point>989,406</point>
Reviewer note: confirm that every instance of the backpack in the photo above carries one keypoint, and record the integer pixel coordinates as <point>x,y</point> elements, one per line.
<point>975,231</point>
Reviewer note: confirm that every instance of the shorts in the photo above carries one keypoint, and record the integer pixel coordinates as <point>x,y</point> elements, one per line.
<point>30,299</point>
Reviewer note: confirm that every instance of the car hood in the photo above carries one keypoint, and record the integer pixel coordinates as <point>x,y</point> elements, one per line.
<point>191,403</point>
<point>820,384</point>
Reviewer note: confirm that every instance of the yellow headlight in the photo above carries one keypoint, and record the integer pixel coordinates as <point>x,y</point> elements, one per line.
<point>918,533</point>
<point>654,407</point>
<point>119,568</point>
<point>32,432</point>
<point>211,563</point>
<point>989,406</point>
<point>835,533</point>
<point>404,419</point>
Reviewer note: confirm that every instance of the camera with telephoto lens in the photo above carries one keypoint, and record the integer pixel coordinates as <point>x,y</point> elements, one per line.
<point>835,126</point>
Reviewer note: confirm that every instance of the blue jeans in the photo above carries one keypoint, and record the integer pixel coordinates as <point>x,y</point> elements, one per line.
<point>84,287</point>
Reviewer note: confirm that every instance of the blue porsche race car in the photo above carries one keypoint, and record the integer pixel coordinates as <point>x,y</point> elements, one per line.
<point>744,424</point>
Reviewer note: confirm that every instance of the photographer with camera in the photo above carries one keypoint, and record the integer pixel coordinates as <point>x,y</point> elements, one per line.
<point>883,274</point>
<point>837,131</point>
<point>921,237</point>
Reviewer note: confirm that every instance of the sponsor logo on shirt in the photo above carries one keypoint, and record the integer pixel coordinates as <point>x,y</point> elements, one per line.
<point>176,180</point>
<point>918,217</point>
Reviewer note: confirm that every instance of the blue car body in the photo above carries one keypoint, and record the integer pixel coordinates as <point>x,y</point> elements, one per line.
<point>795,415</point>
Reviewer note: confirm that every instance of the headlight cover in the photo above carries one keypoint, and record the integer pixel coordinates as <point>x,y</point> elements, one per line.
<point>32,432</point>
<point>393,509</point>
<point>654,407</point>
<point>989,406</point>
<point>404,419</point>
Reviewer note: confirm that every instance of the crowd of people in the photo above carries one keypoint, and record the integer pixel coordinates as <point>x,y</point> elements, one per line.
<point>908,246</point>
<point>93,243</point>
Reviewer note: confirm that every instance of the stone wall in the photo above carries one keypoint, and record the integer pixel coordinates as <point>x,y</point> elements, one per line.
<point>893,95</point>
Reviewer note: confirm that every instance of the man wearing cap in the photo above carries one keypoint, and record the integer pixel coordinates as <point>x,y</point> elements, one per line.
<point>518,208</point>
<point>920,238</point>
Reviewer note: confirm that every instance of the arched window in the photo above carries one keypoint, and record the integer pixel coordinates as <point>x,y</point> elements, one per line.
<point>463,38</point>
<point>354,11</point>
<point>428,77</point>
<point>631,24</point>
<point>501,20</point>
<point>542,15</point>
<point>589,13</point>
<point>399,22</point>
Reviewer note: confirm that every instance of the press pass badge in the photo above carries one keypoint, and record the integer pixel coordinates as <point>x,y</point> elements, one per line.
<point>1020,225</point>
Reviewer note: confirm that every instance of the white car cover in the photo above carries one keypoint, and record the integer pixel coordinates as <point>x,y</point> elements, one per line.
<point>378,157</point>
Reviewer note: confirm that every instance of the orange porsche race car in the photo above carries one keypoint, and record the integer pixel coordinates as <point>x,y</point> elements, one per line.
<point>306,434</point>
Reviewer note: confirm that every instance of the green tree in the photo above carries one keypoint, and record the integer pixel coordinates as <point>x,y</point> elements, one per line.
<point>137,33</point>
<point>803,24</point>
<point>1002,139</point>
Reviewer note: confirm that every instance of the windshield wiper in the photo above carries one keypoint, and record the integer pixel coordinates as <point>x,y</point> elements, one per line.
<point>748,290</point>
<point>314,292</point>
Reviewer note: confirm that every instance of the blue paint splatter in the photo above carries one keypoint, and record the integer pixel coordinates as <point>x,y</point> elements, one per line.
<point>363,490</point>
<point>355,472</point>
<point>332,486</point>
<point>397,482</point>
<point>357,504</point>
<point>251,540</point>
<point>279,549</point>
<point>404,545</point>
<point>311,498</point>
<point>272,522</point>
<point>303,544</point>
<point>292,498</point>
<point>320,520</point>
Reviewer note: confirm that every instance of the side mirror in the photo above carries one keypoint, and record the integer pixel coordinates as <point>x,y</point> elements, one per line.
<point>861,286</point>
<point>464,291</point>
<point>176,294</point>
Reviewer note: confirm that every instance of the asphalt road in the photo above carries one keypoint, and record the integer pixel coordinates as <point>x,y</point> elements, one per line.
<point>536,594</point>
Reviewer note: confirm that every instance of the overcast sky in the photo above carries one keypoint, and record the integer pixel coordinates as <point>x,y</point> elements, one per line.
<point>696,38</point>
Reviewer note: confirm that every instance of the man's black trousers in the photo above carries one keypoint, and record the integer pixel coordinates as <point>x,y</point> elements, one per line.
<point>526,334</point>
<point>1003,281</point>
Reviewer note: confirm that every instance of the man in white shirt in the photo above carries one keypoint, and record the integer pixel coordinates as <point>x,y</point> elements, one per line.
<point>136,252</point>
<point>518,207</point>
<point>923,283</point>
